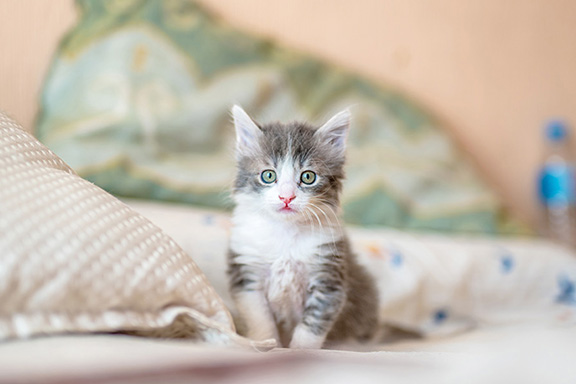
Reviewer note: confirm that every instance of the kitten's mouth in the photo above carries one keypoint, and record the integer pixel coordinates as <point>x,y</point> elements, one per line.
<point>286,209</point>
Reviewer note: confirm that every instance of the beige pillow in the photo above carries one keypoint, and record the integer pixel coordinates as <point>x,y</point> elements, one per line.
<point>75,259</point>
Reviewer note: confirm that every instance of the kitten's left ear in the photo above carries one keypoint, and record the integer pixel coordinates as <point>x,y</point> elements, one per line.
<point>335,130</point>
<point>247,131</point>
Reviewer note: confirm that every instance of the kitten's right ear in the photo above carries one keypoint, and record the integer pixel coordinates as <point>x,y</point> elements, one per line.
<point>335,131</point>
<point>247,131</point>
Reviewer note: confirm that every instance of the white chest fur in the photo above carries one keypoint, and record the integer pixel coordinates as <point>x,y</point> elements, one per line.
<point>283,253</point>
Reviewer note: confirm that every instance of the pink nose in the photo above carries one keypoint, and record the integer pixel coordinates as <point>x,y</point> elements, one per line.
<point>287,200</point>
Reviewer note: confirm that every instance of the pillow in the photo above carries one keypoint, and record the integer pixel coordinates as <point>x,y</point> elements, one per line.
<point>75,259</point>
<point>138,99</point>
<point>431,285</point>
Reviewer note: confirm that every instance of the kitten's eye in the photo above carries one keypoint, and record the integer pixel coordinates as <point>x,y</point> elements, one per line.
<point>268,176</point>
<point>308,177</point>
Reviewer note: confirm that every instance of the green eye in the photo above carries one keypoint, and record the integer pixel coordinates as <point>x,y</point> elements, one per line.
<point>268,176</point>
<point>308,177</point>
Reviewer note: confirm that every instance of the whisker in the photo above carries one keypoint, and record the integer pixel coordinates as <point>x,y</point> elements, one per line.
<point>332,226</point>
<point>331,210</point>
<point>322,211</point>
<point>317,218</point>
<point>309,219</point>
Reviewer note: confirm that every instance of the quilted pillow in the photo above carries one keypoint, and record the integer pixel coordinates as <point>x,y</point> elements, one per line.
<point>138,101</point>
<point>75,259</point>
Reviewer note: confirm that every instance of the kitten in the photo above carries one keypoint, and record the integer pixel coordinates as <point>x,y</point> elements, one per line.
<point>291,270</point>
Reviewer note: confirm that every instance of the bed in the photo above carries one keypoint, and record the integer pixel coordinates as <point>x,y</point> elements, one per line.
<point>99,290</point>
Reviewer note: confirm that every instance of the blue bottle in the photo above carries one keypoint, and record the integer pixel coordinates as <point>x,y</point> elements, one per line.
<point>556,187</point>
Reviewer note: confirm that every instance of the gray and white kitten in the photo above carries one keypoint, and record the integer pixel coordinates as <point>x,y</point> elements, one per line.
<point>291,271</point>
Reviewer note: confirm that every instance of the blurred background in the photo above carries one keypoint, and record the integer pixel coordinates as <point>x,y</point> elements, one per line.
<point>450,100</point>
<point>491,72</point>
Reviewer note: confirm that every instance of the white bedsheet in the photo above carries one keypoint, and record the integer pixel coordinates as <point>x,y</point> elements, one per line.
<point>520,354</point>
<point>429,284</point>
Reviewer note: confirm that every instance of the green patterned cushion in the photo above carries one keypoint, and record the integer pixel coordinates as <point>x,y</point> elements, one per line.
<point>138,99</point>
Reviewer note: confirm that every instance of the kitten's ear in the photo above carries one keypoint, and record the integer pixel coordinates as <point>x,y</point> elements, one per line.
<point>335,131</point>
<point>247,131</point>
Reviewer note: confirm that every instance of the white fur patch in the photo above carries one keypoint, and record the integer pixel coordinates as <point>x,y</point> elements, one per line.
<point>285,288</point>
<point>283,252</point>
<point>304,339</point>
<point>256,313</point>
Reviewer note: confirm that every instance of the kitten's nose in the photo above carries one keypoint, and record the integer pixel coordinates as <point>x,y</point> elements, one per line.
<point>287,200</point>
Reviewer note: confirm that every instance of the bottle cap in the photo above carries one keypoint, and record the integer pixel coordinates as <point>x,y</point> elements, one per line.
<point>556,130</point>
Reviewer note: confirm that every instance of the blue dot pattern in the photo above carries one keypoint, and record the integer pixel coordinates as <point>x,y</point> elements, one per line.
<point>506,263</point>
<point>208,220</point>
<point>440,316</point>
<point>397,259</point>
<point>567,291</point>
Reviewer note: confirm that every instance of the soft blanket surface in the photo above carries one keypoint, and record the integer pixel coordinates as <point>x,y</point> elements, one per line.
<point>429,284</point>
<point>520,354</point>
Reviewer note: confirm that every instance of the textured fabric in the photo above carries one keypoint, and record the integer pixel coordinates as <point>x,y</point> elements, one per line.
<point>138,102</point>
<point>505,355</point>
<point>75,259</point>
<point>428,284</point>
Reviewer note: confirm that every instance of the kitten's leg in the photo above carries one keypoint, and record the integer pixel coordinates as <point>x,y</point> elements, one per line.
<point>254,310</point>
<point>326,298</point>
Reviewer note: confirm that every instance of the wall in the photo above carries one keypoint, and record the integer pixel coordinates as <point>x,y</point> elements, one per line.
<point>29,33</point>
<point>492,71</point>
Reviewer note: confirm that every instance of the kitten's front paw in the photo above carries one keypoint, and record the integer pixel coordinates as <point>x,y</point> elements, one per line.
<point>303,338</point>
<point>262,333</point>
